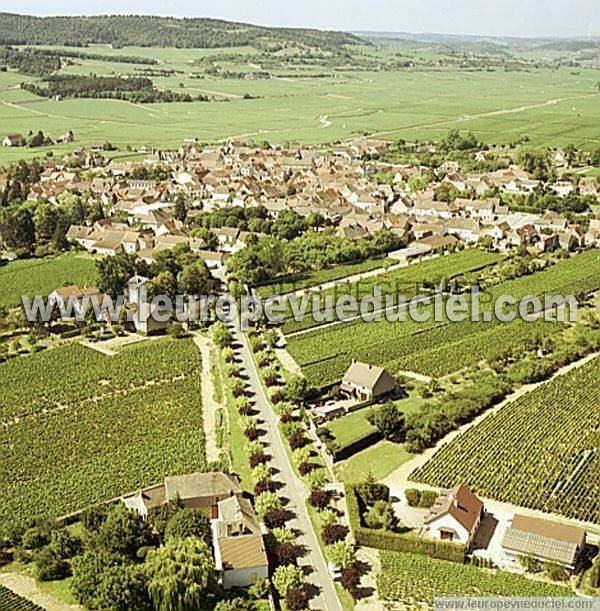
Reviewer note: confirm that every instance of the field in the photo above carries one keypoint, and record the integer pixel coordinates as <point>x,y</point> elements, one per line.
<point>312,103</point>
<point>412,579</point>
<point>103,427</point>
<point>541,451</point>
<point>406,280</point>
<point>41,276</point>
<point>441,348</point>
<point>314,278</point>
<point>9,601</point>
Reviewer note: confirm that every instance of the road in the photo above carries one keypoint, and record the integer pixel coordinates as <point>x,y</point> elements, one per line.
<point>292,487</point>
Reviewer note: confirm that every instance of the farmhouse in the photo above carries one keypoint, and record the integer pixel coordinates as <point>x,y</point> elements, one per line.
<point>455,516</point>
<point>543,540</point>
<point>73,296</point>
<point>366,382</point>
<point>13,140</point>
<point>238,544</point>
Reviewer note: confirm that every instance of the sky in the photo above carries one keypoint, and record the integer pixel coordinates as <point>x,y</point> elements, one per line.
<point>524,18</point>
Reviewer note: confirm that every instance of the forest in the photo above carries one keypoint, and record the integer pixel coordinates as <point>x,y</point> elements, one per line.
<point>150,31</point>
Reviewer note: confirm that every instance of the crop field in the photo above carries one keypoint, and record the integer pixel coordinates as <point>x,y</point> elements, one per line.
<point>41,276</point>
<point>313,104</point>
<point>541,451</point>
<point>438,349</point>
<point>315,278</point>
<point>9,601</point>
<point>406,280</point>
<point>411,579</point>
<point>105,426</point>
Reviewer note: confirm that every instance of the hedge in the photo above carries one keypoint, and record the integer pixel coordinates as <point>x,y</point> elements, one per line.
<point>395,542</point>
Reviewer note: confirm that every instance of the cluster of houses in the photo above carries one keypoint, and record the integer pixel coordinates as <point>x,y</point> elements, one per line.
<point>237,538</point>
<point>457,516</point>
<point>340,184</point>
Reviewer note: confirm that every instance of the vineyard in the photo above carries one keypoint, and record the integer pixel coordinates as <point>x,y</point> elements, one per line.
<point>412,579</point>
<point>406,280</point>
<point>129,421</point>
<point>41,276</point>
<point>438,349</point>
<point>9,601</point>
<point>541,451</point>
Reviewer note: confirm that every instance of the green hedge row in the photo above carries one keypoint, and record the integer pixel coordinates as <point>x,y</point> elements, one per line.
<point>395,542</point>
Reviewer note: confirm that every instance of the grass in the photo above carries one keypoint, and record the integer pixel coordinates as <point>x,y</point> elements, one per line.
<point>352,427</point>
<point>380,460</point>
<point>41,276</point>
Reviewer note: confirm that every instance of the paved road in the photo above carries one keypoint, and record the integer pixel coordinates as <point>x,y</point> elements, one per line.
<point>292,487</point>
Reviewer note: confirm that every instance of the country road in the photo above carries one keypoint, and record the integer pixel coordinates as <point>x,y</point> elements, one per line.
<point>292,487</point>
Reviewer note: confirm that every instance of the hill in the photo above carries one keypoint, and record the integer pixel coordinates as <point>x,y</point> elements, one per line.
<point>149,31</point>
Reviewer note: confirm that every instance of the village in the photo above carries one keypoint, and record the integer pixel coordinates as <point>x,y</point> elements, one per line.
<point>339,185</point>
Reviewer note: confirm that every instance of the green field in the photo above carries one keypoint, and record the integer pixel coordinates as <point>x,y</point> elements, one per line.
<point>540,451</point>
<point>41,276</point>
<point>379,460</point>
<point>406,280</point>
<point>94,426</point>
<point>412,579</point>
<point>315,104</point>
<point>438,349</point>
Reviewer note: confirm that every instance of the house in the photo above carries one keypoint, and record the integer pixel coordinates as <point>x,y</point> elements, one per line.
<point>13,140</point>
<point>66,138</point>
<point>414,251</point>
<point>366,382</point>
<point>239,547</point>
<point>72,296</point>
<point>455,516</point>
<point>592,237</point>
<point>543,540</point>
<point>238,544</point>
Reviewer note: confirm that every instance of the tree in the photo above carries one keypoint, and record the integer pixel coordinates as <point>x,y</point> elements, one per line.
<point>180,207</point>
<point>196,279</point>
<point>387,419</point>
<point>350,578</point>
<point>124,532</point>
<point>65,544</point>
<point>113,273</point>
<point>265,502</point>
<point>284,535</point>
<point>297,599</point>
<point>319,499</point>
<point>380,515</point>
<point>340,555</point>
<point>260,473</point>
<point>297,389</point>
<point>332,533</point>
<point>88,573</point>
<point>287,577</point>
<point>20,229</point>
<point>188,522</point>
<point>49,565</point>
<point>221,335</point>
<point>286,553</point>
<point>181,575</point>
<point>274,518</point>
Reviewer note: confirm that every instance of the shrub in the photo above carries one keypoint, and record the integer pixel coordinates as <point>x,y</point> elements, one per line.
<point>412,496</point>
<point>36,537</point>
<point>428,498</point>
<point>371,491</point>
<point>380,515</point>
<point>65,544</point>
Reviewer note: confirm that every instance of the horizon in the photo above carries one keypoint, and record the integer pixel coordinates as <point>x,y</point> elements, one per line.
<point>509,19</point>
